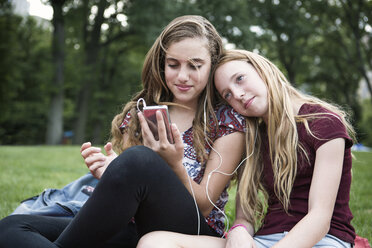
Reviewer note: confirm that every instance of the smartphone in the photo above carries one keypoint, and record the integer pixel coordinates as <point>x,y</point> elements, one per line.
<point>150,115</point>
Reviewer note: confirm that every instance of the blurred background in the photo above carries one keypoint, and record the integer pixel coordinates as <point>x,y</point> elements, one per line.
<point>68,66</point>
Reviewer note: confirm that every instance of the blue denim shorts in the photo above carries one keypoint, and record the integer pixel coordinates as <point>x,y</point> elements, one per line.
<point>329,241</point>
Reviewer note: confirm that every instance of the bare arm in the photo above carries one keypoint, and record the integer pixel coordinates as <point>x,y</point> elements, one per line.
<point>240,236</point>
<point>327,175</point>
<point>230,147</point>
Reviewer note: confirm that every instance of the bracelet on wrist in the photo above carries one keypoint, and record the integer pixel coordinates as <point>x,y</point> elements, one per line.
<point>235,226</point>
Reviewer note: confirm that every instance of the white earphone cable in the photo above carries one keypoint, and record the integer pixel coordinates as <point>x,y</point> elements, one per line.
<point>216,170</point>
<point>188,177</point>
<point>196,204</point>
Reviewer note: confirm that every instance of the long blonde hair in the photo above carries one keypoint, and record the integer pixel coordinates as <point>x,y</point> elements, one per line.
<point>282,135</point>
<point>155,90</point>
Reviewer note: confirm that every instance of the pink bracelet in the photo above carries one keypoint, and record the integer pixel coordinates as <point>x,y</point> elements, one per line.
<point>235,226</point>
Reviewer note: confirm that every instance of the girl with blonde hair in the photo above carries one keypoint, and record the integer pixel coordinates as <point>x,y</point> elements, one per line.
<point>154,184</point>
<point>294,188</point>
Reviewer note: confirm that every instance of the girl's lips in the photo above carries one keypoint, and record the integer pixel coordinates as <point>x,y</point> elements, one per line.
<point>248,102</point>
<point>183,87</point>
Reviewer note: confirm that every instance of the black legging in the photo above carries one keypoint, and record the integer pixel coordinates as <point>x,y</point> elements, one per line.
<point>138,183</point>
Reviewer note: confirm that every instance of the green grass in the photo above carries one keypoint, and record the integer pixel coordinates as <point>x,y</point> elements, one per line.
<point>26,170</point>
<point>361,194</point>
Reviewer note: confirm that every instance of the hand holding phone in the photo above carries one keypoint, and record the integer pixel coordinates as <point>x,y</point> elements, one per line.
<point>149,113</point>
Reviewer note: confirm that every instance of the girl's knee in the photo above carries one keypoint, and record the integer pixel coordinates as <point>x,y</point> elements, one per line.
<point>137,162</point>
<point>9,226</point>
<point>157,239</point>
<point>137,157</point>
<point>11,221</point>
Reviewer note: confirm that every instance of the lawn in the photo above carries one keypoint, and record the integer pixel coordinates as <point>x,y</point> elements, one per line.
<point>27,170</point>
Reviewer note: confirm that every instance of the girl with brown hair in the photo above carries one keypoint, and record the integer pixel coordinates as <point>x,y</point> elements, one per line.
<point>162,186</point>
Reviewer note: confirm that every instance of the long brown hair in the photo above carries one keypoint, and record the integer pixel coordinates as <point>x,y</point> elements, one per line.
<point>282,135</point>
<point>155,90</point>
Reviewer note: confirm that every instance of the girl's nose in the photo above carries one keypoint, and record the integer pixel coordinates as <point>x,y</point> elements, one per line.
<point>183,75</point>
<point>237,93</point>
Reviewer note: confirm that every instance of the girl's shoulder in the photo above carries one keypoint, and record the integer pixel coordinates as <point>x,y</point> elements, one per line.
<point>317,113</point>
<point>313,108</point>
<point>323,124</point>
<point>227,116</point>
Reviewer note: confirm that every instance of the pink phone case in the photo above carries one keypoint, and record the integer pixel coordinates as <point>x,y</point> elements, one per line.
<point>150,114</point>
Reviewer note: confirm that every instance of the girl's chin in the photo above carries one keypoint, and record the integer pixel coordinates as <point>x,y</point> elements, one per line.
<point>183,99</point>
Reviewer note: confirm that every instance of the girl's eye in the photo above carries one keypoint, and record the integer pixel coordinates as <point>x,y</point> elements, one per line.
<point>227,96</point>
<point>195,67</point>
<point>172,65</point>
<point>239,78</point>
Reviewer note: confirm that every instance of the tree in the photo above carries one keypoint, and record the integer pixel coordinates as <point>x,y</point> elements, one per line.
<point>24,76</point>
<point>9,50</point>
<point>323,47</point>
<point>140,31</point>
<point>55,117</point>
<point>356,17</point>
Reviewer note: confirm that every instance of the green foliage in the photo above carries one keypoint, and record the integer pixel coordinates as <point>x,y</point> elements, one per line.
<point>365,127</point>
<point>9,49</point>
<point>25,74</point>
<point>323,47</point>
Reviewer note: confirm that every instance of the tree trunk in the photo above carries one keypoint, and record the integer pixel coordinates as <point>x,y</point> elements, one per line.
<point>92,48</point>
<point>55,117</point>
<point>352,15</point>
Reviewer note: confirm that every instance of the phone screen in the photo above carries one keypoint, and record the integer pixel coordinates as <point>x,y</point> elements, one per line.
<point>150,115</point>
